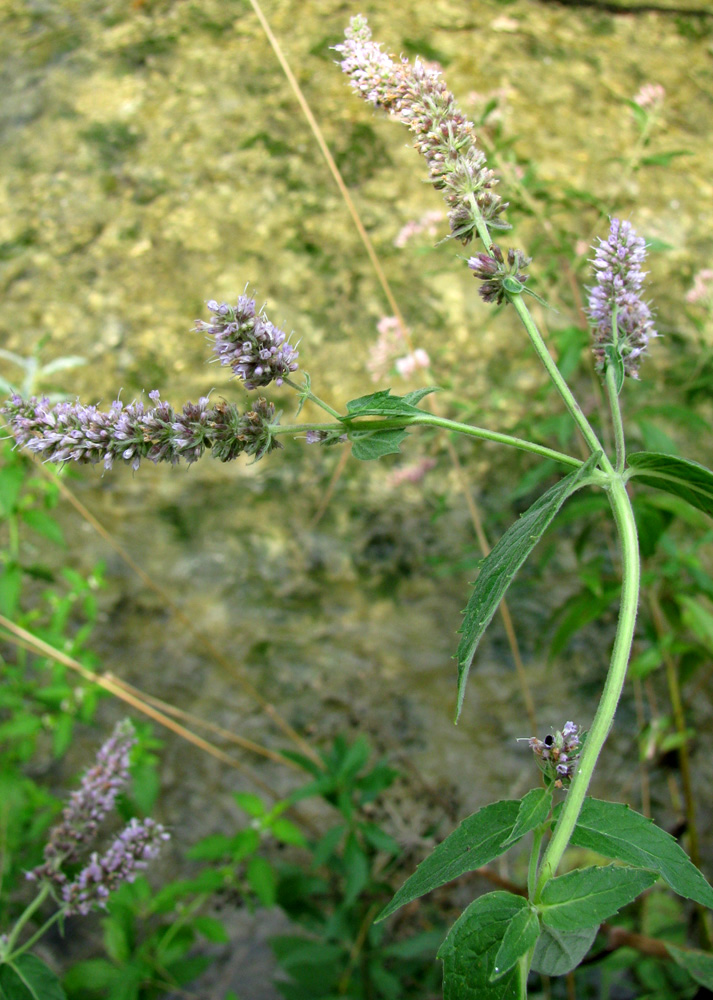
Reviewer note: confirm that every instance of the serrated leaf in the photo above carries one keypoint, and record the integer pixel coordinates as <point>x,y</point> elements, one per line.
<point>27,978</point>
<point>616,362</point>
<point>698,964</point>
<point>558,952</point>
<point>383,404</point>
<point>534,809</point>
<point>521,934</point>
<point>587,896</point>
<point>468,953</point>
<point>370,445</point>
<point>679,476</point>
<point>616,831</point>
<point>479,838</point>
<point>506,558</point>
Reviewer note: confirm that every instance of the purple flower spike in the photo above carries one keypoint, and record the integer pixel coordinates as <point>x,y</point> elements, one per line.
<point>246,341</point>
<point>617,264</point>
<point>130,852</point>
<point>418,97</point>
<point>89,804</point>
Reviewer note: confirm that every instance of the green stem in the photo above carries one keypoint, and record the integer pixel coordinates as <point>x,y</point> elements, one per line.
<point>596,737</point>
<point>553,371</point>
<point>306,393</point>
<point>36,936</point>
<point>431,420</point>
<point>534,860</point>
<point>22,920</point>
<point>617,422</point>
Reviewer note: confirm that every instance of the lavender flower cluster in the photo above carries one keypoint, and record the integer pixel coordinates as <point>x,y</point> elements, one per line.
<point>418,97</point>
<point>246,341</point>
<point>71,432</point>
<point>558,755</point>
<point>616,298</point>
<point>131,850</point>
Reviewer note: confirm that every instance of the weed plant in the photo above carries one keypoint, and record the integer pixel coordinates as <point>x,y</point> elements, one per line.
<point>505,944</point>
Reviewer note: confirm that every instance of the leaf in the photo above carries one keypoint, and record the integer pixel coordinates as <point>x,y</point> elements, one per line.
<point>27,978</point>
<point>558,952</point>
<point>499,568</point>
<point>261,879</point>
<point>616,831</point>
<point>479,838</point>
<point>521,934</point>
<point>534,809</point>
<point>369,445</point>
<point>383,404</point>
<point>12,477</point>
<point>587,896</point>
<point>211,929</point>
<point>679,476</point>
<point>43,524</point>
<point>698,619</point>
<point>615,361</point>
<point>698,964</point>
<point>468,953</point>
<point>664,159</point>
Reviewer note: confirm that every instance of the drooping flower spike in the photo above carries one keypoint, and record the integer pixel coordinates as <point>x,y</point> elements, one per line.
<point>71,432</point>
<point>417,95</point>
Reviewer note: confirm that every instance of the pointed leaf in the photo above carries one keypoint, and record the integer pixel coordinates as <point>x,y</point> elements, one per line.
<point>616,831</point>
<point>480,838</point>
<point>499,568</point>
<point>27,978</point>
<point>368,445</point>
<point>383,404</point>
<point>521,934</point>
<point>468,953</point>
<point>679,476</point>
<point>698,964</point>
<point>558,952</point>
<point>587,896</point>
<point>534,809</point>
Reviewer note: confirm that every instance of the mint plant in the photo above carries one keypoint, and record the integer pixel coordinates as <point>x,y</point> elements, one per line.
<point>501,936</point>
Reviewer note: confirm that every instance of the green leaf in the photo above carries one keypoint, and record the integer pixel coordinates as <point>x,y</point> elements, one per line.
<point>479,838</point>
<point>211,929</point>
<point>251,804</point>
<point>27,978</point>
<point>356,864</point>
<point>587,896</point>
<point>470,950</point>
<point>558,952</point>
<point>94,974</point>
<point>521,934</point>
<point>43,524</point>
<point>698,619</point>
<point>664,159</point>
<point>261,879</point>
<point>12,477</point>
<point>499,568</point>
<point>383,404</point>
<point>679,476</point>
<point>369,445</point>
<point>698,964</point>
<point>616,831</point>
<point>534,809</point>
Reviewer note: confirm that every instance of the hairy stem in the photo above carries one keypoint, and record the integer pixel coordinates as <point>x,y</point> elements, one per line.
<point>553,371</point>
<point>596,737</point>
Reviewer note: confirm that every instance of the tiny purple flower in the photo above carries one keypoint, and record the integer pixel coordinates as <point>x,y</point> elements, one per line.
<point>621,319</point>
